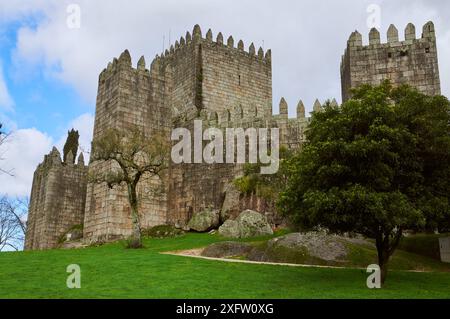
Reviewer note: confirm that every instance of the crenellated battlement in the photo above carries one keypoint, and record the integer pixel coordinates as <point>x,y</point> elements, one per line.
<point>301,112</point>
<point>412,60</point>
<point>196,38</point>
<point>123,62</point>
<point>53,159</point>
<point>428,34</point>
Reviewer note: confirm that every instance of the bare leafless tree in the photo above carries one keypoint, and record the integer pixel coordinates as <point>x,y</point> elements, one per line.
<point>13,214</point>
<point>134,155</point>
<point>3,137</point>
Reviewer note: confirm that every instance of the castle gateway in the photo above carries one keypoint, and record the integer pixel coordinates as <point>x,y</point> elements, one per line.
<point>225,86</point>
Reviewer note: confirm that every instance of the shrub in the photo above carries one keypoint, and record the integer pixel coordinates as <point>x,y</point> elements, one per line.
<point>162,231</point>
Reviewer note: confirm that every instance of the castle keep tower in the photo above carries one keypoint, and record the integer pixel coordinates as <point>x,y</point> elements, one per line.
<point>234,89</point>
<point>412,61</point>
<point>127,98</point>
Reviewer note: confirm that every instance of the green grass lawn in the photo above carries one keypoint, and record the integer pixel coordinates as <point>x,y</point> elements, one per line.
<point>110,271</point>
<point>423,244</point>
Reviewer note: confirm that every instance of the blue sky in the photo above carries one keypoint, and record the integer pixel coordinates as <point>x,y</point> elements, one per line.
<point>40,100</point>
<point>49,72</point>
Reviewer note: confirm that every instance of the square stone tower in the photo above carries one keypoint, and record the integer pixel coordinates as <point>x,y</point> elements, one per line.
<point>57,200</point>
<point>234,89</point>
<point>127,98</point>
<point>412,61</point>
<point>198,78</point>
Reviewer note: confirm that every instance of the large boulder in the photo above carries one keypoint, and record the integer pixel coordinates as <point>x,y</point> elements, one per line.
<point>252,224</point>
<point>248,224</point>
<point>314,248</point>
<point>230,229</point>
<point>205,220</point>
<point>227,249</point>
<point>315,244</point>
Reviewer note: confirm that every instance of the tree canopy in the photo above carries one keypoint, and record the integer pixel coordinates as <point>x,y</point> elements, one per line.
<point>377,165</point>
<point>71,145</point>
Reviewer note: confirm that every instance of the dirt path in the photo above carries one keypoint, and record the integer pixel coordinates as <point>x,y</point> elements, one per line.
<point>196,253</point>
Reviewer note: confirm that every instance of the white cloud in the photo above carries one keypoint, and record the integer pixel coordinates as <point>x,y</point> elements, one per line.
<point>21,153</point>
<point>6,101</point>
<point>307,38</point>
<point>24,149</point>
<point>84,124</point>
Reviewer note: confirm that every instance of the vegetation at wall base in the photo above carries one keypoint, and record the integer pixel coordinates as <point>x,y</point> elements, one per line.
<point>378,165</point>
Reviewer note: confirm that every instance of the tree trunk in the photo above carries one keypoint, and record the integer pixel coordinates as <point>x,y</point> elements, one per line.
<point>385,249</point>
<point>382,243</point>
<point>136,235</point>
<point>383,259</point>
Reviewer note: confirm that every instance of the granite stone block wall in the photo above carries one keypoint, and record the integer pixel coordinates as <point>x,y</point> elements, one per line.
<point>413,61</point>
<point>226,86</point>
<point>57,200</point>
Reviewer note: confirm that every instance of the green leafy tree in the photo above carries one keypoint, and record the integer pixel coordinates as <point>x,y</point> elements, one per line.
<point>71,144</point>
<point>133,155</point>
<point>378,165</point>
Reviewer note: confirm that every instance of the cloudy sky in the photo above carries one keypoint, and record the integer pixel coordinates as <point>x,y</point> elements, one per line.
<point>49,67</point>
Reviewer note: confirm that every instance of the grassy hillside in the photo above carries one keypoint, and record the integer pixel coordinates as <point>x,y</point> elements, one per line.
<point>423,244</point>
<point>110,271</point>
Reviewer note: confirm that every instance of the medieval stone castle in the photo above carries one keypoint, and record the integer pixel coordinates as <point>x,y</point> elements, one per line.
<point>198,78</point>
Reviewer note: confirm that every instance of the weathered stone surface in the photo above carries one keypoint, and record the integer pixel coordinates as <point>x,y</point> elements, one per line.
<point>235,202</point>
<point>320,245</point>
<point>305,248</point>
<point>57,201</point>
<point>413,61</point>
<point>248,224</point>
<point>205,220</point>
<point>230,229</point>
<point>227,249</point>
<point>74,234</point>
<point>231,201</point>
<point>252,224</point>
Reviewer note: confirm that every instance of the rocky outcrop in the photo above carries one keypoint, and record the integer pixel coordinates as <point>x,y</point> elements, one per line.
<point>230,203</point>
<point>227,249</point>
<point>230,229</point>
<point>248,224</point>
<point>252,224</point>
<point>313,248</point>
<point>235,202</point>
<point>315,244</point>
<point>205,220</point>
